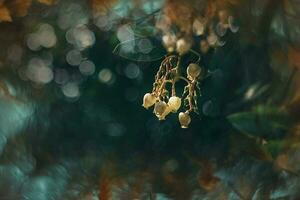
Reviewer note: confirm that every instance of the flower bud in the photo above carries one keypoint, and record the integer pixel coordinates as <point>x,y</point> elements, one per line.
<point>184,119</point>
<point>223,16</point>
<point>193,71</point>
<point>166,112</point>
<point>169,41</point>
<point>183,46</point>
<point>204,46</point>
<point>174,103</point>
<point>212,39</point>
<point>198,27</point>
<point>159,108</point>
<point>149,100</point>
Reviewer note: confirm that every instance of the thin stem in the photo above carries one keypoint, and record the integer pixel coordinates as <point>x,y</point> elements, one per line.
<point>185,79</point>
<point>142,19</point>
<point>197,54</point>
<point>173,88</point>
<point>191,96</point>
<point>178,62</point>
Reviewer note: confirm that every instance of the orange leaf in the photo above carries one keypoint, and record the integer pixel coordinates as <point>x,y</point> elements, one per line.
<point>294,57</point>
<point>47,2</point>
<point>206,178</point>
<point>101,6</point>
<point>105,189</point>
<point>19,8</point>
<point>4,14</point>
<point>208,181</point>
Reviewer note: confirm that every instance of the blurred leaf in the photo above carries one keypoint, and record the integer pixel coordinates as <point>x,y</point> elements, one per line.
<point>293,106</point>
<point>266,122</point>
<point>245,144</point>
<point>19,8</point>
<point>47,2</point>
<point>101,6</point>
<point>133,50</point>
<point>145,30</point>
<point>282,161</point>
<point>4,14</point>
<point>274,147</point>
<point>105,189</point>
<point>288,7</point>
<point>206,178</point>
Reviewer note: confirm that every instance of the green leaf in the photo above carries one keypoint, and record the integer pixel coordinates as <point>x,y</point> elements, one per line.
<point>274,147</point>
<point>244,144</point>
<point>263,121</point>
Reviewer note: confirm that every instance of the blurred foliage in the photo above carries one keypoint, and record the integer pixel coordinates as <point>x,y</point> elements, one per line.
<point>71,121</point>
<point>264,122</point>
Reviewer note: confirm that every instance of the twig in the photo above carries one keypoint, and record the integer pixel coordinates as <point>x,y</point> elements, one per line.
<point>197,54</point>
<point>142,19</point>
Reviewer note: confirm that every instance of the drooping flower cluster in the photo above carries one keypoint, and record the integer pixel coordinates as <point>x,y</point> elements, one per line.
<point>164,98</point>
<point>208,20</point>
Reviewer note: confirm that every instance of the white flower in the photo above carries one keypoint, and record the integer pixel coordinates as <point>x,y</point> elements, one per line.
<point>149,100</point>
<point>184,119</point>
<point>212,39</point>
<point>204,46</point>
<point>165,113</point>
<point>183,46</point>
<point>193,71</point>
<point>174,103</point>
<point>169,41</point>
<point>198,27</point>
<point>159,108</point>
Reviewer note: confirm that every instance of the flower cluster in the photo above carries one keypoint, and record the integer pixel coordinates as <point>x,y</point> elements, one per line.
<point>163,96</point>
<point>209,20</point>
